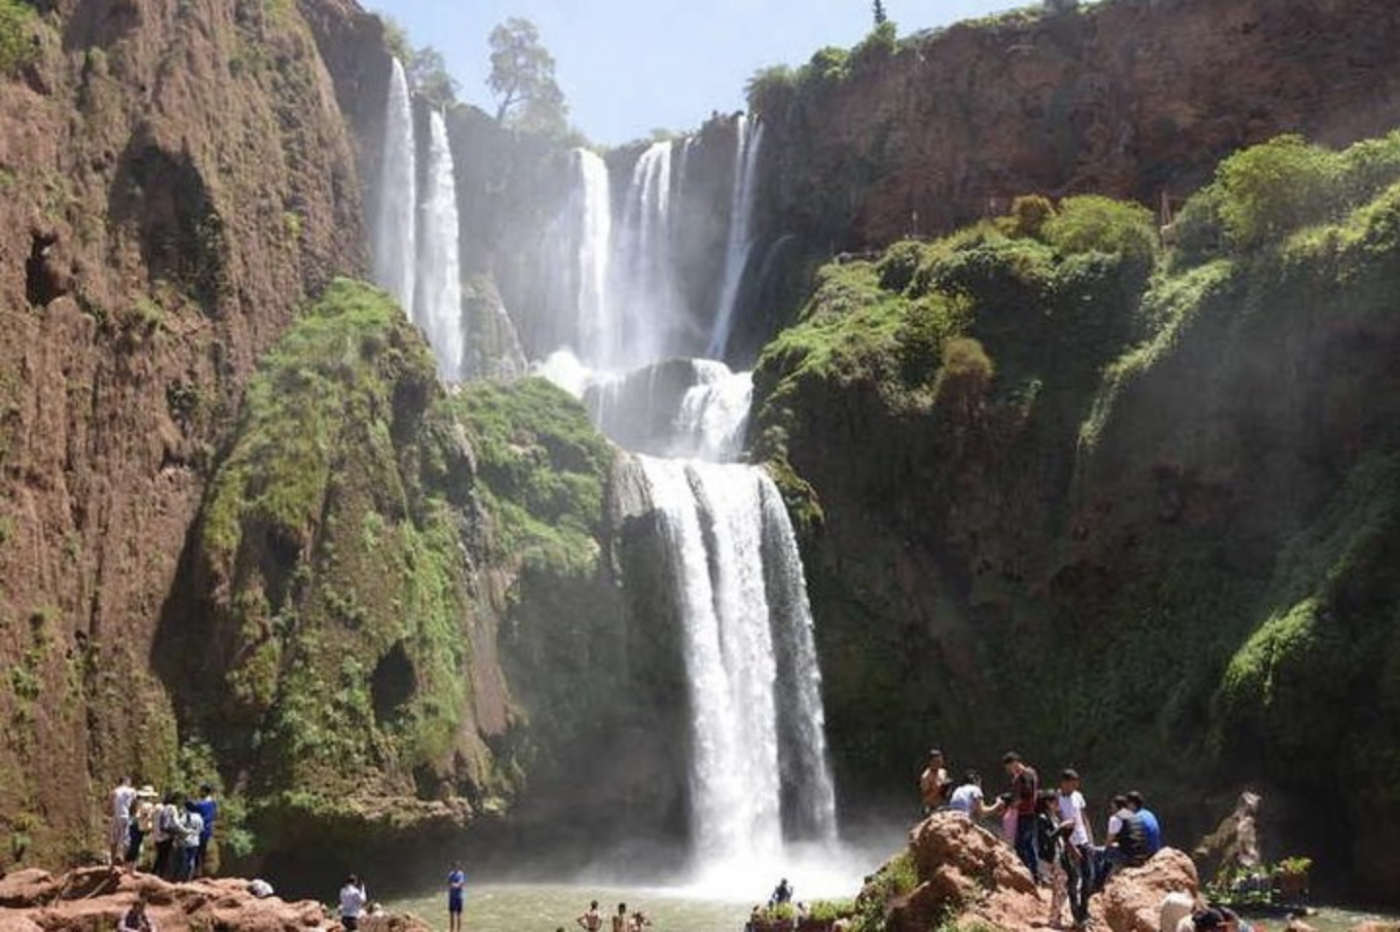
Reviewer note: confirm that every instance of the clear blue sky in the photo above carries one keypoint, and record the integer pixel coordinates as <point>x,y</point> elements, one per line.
<point>630,66</point>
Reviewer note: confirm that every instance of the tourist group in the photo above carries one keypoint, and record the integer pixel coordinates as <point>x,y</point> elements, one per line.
<point>178,826</point>
<point>1050,829</point>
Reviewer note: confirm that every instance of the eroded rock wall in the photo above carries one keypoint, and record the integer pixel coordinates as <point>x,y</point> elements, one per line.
<point>177,179</point>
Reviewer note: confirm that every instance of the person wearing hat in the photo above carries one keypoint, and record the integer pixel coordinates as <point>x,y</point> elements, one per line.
<point>934,784</point>
<point>143,822</point>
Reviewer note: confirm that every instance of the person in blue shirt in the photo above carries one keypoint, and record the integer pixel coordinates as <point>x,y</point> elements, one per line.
<point>208,809</point>
<point>456,893</point>
<point>1150,824</point>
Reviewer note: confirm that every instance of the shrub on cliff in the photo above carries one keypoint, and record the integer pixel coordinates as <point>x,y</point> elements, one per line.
<point>544,468</point>
<point>1090,223</point>
<point>17,47</point>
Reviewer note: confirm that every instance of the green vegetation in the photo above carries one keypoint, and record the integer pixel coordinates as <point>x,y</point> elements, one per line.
<point>543,468</point>
<point>1062,433</point>
<point>17,48</point>
<point>897,878</point>
<point>522,78</point>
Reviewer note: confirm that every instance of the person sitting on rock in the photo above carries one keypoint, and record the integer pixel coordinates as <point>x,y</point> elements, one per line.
<point>135,918</point>
<point>1149,821</point>
<point>1127,837</point>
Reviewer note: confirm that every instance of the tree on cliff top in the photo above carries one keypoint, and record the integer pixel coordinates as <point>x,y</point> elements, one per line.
<point>880,16</point>
<point>522,76</point>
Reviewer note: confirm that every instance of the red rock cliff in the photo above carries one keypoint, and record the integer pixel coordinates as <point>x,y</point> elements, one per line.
<point>1128,98</point>
<point>176,178</point>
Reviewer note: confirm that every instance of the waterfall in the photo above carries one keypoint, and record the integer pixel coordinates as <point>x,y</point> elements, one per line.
<point>740,242</point>
<point>598,332</point>
<point>394,232</point>
<point>801,717</point>
<point>759,774</point>
<point>714,413</point>
<point>437,307</point>
<point>714,544</point>
<point>643,277</point>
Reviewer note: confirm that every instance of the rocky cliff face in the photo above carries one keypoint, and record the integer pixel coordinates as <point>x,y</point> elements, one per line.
<point>177,178</point>
<point>1130,98</point>
<point>1134,524</point>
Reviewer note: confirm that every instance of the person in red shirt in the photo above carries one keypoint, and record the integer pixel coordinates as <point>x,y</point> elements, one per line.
<point>1025,787</point>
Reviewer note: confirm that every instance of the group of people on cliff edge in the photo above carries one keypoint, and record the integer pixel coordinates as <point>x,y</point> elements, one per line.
<point>1050,829</point>
<point>180,829</point>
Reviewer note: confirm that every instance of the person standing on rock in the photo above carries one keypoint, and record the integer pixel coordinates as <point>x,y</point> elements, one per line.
<point>590,920</point>
<point>119,834</point>
<point>143,822</point>
<point>1080,856</point>
<point>208,808</point>
<point>167,830</point>
<point>352,903</point>
<point>456,894</point>
<point>1025,787</point>
<point>934,784</point>
<point>619,921</point>
<point>968,798</point>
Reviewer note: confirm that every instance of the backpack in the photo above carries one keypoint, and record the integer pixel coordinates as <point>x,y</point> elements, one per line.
<point>1132,839</point>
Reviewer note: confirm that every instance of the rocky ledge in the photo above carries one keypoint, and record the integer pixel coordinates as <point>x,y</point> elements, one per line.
<point>968,878</point>
<point>95,898</point>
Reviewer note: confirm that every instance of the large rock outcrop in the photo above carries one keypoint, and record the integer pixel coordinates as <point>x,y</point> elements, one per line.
<point>1130,99</point>
<point>176,180</point>
<point>1134,524</point>
<point>95,898</point>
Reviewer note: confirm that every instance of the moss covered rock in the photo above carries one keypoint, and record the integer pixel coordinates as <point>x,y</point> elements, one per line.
<point>1146,534</point>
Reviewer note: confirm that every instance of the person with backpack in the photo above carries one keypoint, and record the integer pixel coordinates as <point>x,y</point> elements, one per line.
<point>143,822</point>
<point>168,829</point>
<point>1126,844</point>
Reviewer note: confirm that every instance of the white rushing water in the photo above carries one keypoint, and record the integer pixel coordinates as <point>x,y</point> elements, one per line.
<point>437,307</point>
<point>760,786</point>
<point>394,247</point>
<point>643,279</point>
<point>598,334</point>
<point>740,240</point>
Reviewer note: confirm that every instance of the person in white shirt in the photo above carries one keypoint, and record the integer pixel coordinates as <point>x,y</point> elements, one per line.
<point>352,903</point>
<point>122,798</point>
<point>1079,858</point>
<point>967,798</point>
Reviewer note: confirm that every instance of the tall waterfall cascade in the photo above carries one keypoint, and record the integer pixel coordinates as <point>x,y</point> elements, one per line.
<point>740,241</point>
<point>395,227</point>
<point>437,307</point>
<point>759,775</point>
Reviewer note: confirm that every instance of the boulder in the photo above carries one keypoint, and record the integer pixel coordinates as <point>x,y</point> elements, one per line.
<point>94,899</point>
<point>967,871</point>
<point>1132,901</point>
<point>19,888</point>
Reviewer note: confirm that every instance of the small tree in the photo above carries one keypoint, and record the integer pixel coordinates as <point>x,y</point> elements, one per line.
<point>428,71</point>
<point>880,16</point>
<point>522,77</point>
